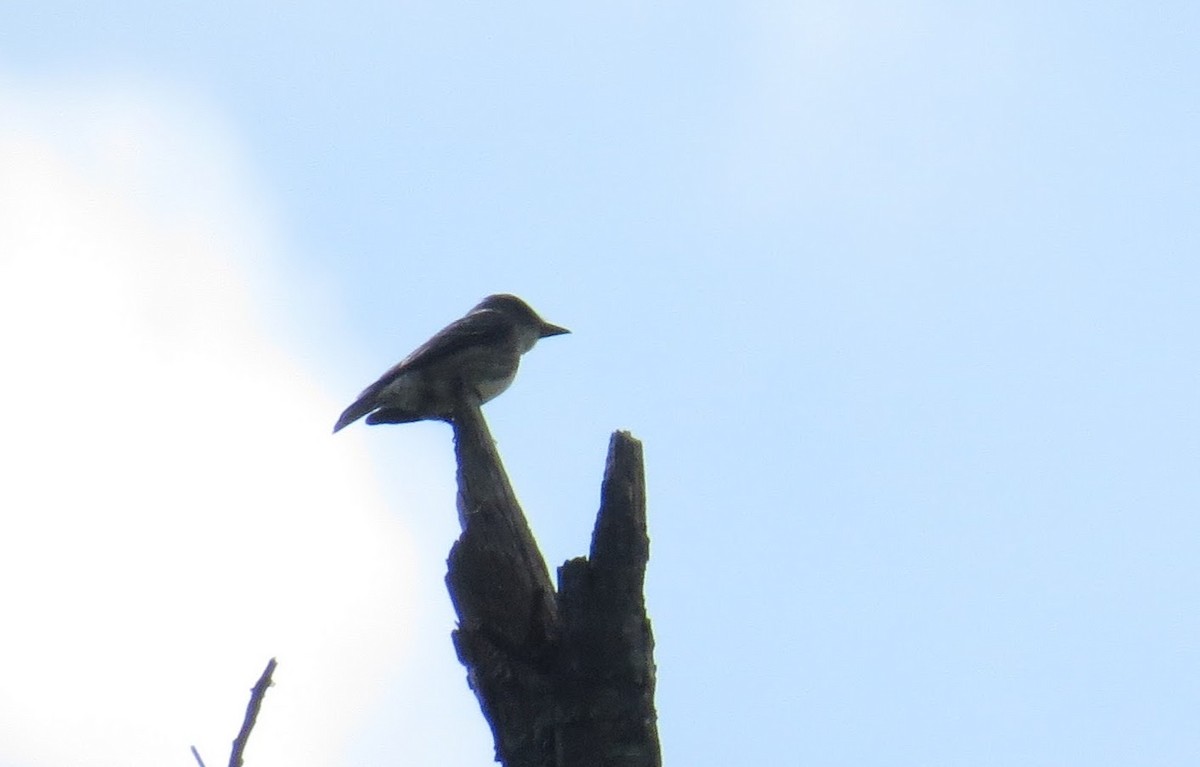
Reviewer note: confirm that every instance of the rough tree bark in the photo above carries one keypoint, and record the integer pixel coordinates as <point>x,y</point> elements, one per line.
<point>566,678</point>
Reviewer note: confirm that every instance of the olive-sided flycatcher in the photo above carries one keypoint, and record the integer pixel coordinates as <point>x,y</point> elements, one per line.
<point>478,353</point>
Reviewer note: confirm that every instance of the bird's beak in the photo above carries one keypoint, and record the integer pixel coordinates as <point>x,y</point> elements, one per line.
<point>551,330</point>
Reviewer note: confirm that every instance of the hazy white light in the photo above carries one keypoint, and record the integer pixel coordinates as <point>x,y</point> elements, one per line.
<point>173,511</point>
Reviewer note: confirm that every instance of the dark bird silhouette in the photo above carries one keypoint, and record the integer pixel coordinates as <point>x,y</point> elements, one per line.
<point>478,354</point>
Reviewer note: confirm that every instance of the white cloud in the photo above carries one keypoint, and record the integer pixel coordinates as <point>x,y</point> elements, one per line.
<point>173,511</point>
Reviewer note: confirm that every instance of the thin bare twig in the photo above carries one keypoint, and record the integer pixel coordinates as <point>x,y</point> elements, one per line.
<point>256,698</point>
<point>196,754</point>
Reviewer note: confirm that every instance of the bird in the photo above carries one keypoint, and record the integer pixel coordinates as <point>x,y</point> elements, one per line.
<point>477,353</point>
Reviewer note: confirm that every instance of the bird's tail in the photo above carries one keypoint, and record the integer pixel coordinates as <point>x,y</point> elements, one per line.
<point>397,415</point>
<point>361,407</point>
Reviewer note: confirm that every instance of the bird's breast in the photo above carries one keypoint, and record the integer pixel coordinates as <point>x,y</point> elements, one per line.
<point>489,387</point>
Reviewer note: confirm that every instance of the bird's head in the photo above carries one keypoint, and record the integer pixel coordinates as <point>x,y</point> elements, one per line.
<point>529,325</point>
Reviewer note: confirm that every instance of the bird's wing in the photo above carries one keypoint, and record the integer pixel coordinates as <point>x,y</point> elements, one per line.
<point>479,328</point>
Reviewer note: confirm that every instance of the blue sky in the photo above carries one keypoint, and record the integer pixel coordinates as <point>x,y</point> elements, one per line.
<point>901,297</point>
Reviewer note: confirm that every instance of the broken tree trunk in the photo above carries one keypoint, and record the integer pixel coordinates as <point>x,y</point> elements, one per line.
<point>566,678</point>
